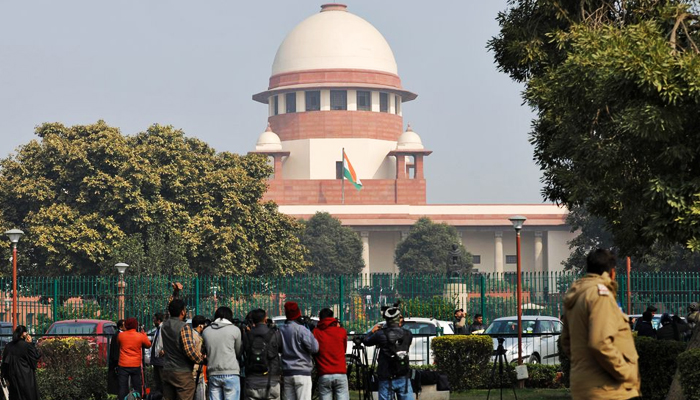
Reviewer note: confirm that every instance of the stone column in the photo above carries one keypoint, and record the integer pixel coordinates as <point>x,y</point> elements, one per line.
<point>400,166</point>
<point>498,253</point>
<point>364,235</point>
<point>418,165</point>
<point>277,166</point>
<point>539,261</point>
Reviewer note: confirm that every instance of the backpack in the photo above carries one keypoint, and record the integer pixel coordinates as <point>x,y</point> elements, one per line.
<point>399,364</point>
<point>133,395</point>
<point>256,353</point>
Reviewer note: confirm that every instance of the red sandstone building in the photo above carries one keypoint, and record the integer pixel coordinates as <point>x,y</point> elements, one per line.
<point>335,86</point>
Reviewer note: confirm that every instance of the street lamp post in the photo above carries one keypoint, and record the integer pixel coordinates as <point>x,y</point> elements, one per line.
<point>517,222</point>
<point>216,301</point>
<point>14,235</point>
<point>121,287</point>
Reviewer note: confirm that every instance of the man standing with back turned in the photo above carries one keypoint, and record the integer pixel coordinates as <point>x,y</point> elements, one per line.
<point>597,337</point>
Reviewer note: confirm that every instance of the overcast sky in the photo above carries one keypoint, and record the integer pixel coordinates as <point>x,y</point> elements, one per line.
<point>195,65</point>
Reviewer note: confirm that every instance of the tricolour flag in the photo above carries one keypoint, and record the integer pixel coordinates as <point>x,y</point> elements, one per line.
<point>349,172</point>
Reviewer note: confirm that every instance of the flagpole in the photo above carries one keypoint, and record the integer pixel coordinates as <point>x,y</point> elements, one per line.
<point>342,179</point>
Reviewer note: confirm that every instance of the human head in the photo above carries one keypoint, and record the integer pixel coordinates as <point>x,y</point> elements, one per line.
<point>291,311</point>
<point>258,316</point>
<point>599,261</point>
<point>198,323</point>
<point>120,325</point>
<point>392,315</point>
<point>652,309</point>
<point>325,313</point>
<point>478,318</point>
<point>158,319</point>
<point>459,313</point>
<point>19,333</point>
<point>665,319</point>
<point>646,316</point>
<point>693,307</point>
<point>131,323</point>
<point>176,308</point>
<point>223,312</point>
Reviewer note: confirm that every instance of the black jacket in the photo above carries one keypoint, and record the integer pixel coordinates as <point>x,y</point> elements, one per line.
<point>19,361</point>
<point>273,350</point>
<point>382,339</point>
<point>645,328</point>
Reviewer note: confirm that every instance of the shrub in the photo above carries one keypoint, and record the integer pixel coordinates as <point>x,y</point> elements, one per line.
<point>564,366</point>
<point>689,370</point>
<point>463,359</point>
<point>70,370</point>
<point>657,364</point>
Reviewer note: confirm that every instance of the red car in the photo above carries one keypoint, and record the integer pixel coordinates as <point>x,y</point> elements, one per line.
<point>96,331</point>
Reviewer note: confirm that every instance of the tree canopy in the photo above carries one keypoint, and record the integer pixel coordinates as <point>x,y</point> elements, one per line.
<point>616,88</point>
<point>88,196</point>
<point>432,248</point>
<point>333,249</point>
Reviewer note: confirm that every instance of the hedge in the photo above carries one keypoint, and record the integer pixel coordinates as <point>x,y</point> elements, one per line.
<point>689,370</point>
<point>463,358</point>
<point>71,369</point>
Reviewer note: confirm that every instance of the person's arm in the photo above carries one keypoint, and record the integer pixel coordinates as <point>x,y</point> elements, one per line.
<point>238,341</point>
<point>565,338</point>
<point>158,345</point>
<point>373,339</point>
<point>601,334</point>
<point>309,341</point>
<point>461,323</point>
<point>145,341</point>
<point>191,350</point>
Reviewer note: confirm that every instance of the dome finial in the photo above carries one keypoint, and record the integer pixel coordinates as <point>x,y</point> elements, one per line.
<point>334,7</point>
<point>269,128</point>
<point>408,128</point>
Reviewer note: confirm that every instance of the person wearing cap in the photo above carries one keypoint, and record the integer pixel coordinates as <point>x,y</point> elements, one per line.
<point>131,345</point>
<point>298,347</point>
<point>652,310</point>
<point>460,323</point>
<point>384,338</point>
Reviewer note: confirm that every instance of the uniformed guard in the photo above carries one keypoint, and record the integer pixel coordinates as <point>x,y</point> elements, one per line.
<point>597,337</point>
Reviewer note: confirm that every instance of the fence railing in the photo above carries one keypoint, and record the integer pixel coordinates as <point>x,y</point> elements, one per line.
<point>356,300</point>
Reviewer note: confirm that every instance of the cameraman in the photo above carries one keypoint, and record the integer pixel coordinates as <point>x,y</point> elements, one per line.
<point>298,345</point>
<point>263,347</point>
<point>393,343</point>
<point>330,359</point>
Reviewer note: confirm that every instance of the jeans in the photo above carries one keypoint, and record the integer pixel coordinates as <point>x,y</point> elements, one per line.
<point>263,393</point>
<point>224,387</point>
<point>124,373</point>
<point>333,385</point>
<point>297,387</point>
<point>400,386</point>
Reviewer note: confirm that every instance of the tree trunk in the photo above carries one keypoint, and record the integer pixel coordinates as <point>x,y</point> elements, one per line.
<point>675,392</point>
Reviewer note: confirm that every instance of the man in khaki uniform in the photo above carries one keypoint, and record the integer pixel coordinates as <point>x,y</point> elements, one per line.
<point>597,337</point>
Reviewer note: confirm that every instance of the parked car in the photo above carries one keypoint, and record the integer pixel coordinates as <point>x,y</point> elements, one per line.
<point>5,334</point>
<point>423,330</point>
<point>96,331</point>
<point>539,338</point>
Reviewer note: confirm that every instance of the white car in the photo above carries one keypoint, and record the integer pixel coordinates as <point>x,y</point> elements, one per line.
<point>423,330</point>
<point>539,338</point>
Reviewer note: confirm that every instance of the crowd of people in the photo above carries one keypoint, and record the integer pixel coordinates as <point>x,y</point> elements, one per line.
<point>672,327</point>
<point>224,359</point>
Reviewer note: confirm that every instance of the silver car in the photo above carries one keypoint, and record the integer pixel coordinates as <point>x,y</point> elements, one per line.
<point>539,338</point>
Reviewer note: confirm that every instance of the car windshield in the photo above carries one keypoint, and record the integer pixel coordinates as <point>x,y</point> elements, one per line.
<point>73,328</point>
<point>5,330</point>
<point>510,327</point>
<point>420,328</point>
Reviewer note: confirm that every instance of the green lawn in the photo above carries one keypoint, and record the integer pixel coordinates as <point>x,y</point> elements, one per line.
<point>523,394</point>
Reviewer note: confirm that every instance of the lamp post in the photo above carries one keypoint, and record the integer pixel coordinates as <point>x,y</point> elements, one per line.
<point>518,221</point>
<point>121,286</point>
<point>14,235</point>
<point>216,301</point>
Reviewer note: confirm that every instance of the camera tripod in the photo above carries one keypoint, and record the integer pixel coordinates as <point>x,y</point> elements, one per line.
<point>499,363</point>
<point>357,362</point>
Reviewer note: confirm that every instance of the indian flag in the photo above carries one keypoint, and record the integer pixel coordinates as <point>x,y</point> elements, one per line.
<point>349,172</point>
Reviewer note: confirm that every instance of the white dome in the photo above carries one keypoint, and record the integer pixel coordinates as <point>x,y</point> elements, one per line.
<point>409,140</point>
<point>268,141</point>
<point>333,39</point>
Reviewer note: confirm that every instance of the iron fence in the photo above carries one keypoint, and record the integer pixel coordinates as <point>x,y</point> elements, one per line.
<point>356,300</point>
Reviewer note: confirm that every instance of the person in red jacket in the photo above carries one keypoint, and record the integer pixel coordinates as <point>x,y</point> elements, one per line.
<point>330,359</point>
<point>131,345</point>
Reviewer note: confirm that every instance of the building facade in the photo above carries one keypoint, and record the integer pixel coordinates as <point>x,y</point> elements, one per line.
<point>335,89</point>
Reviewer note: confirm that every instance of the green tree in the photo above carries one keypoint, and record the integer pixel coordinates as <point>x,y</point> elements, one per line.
<point>87,196</point>
<point>615,85</point>
<point>334,249</point>
<point>432,248</point>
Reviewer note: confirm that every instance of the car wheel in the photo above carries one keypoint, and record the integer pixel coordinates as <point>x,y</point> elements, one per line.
<point>534,359</point>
